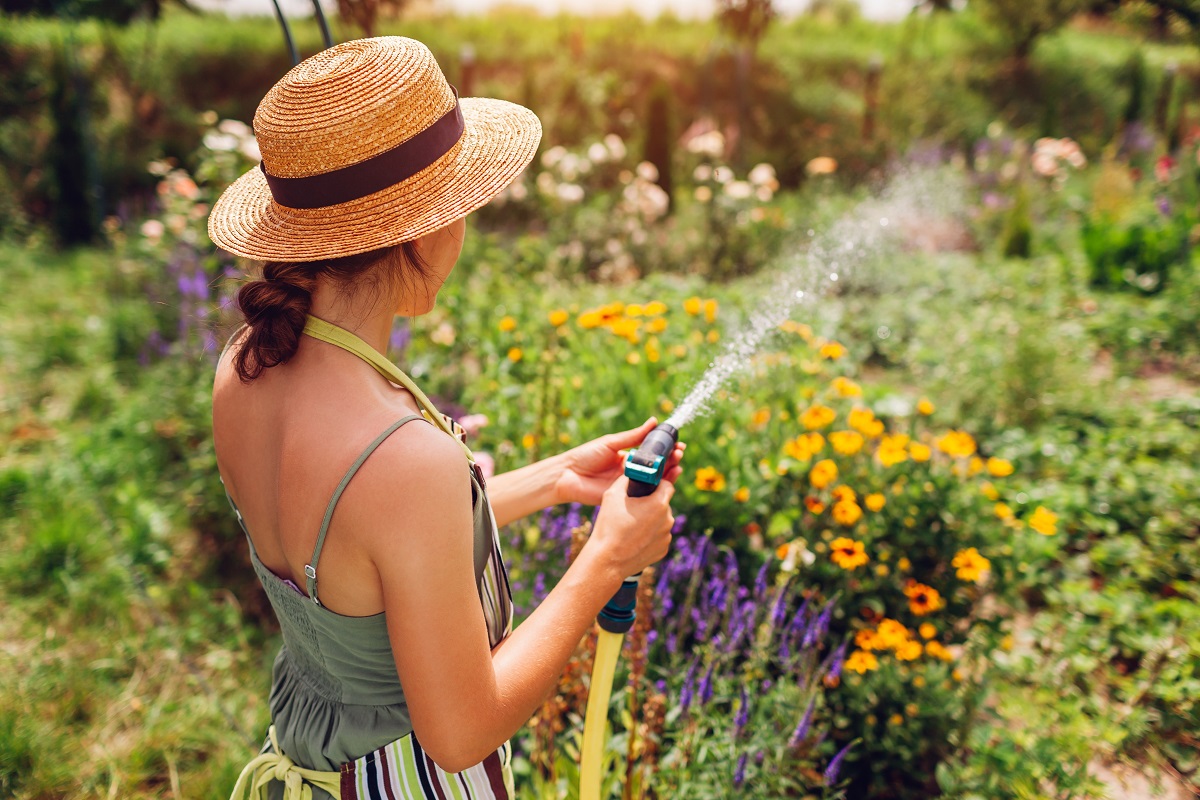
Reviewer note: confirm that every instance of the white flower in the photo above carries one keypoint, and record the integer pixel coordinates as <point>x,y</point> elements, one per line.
<point>762,175</point>
<point>598,153</point>
<point>722,174</point>
<point>250,149</point>
<point>702,173</point>
<point>764,194</point>
<point>222,142</point>
<point>738,190</point>
<point>711,144</point>
<point>153,229</point>
<point>616,147</point>
<point>570,192</point>
<point>647,171</point>
<point>553,155</point>
<point>1044,164</point>
<point>518,191</point>
<point>234,127</point>
<point>654,201</point>
<point>443,334</point>
<point>545,183</point>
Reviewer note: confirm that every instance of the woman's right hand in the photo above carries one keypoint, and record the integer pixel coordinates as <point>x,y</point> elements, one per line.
<point>634,532</point>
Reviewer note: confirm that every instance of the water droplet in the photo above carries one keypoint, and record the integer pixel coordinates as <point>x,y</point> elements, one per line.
<point>883,331</point>
<point>833,276</point>
<point>799,294</point>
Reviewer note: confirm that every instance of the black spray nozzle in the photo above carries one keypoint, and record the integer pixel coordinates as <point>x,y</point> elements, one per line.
<point>645,466</point>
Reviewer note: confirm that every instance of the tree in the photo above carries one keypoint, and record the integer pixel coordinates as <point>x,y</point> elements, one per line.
<point>365,13</point>
<point>745,21</point>
<point>1023,21</point>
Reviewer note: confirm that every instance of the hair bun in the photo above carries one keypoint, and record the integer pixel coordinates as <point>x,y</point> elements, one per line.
<point>276,307</point>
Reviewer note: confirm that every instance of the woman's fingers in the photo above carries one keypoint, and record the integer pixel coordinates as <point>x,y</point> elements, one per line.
<point>632,437</point>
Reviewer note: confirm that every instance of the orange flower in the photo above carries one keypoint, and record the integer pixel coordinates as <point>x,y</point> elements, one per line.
<point>741,495</point>
<point>846,442</point>
<point>909,650</point>
<point>922,599</point>
<point>919,452</point>
<point>846,387</point>
<point>847,553</point>
<point>814,505</point>
<point>709,480</point>
<point>958,444</point>
<point>970,565</point>
<point>832,350</point>
<point>507,324</point>
<point>559,317</point>
<point>891,450</point>
<point>861,661</point>
<point>692,305</point>
<point>844,493</point>
<point>938,650</point>
<point>891,634</point>
<point>760,417</point>
<point>710,311</point>
<point>1044,521</point>
<point>865,639</point>
<point>875,501</point>
<point>515,354</point>
<point>823,473</point>
<point>846,512</point>
<point>924,407</point>
<point>817,416</point>
<point>999,467</point>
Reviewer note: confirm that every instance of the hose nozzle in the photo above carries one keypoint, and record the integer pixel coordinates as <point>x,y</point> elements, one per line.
<point>645,466</point>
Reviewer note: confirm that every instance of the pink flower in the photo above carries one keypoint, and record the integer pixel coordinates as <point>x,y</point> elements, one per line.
<point>486,465</point>
<point>472,423</point>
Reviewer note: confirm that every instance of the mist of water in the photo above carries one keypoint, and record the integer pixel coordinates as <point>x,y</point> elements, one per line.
<point>863,235</point>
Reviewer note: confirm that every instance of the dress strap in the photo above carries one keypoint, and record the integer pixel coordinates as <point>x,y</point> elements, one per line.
<point>340,337</point>
<point>310,569</point>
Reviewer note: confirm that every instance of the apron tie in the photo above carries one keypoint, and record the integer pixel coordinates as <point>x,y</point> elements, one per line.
<point>275,766</point>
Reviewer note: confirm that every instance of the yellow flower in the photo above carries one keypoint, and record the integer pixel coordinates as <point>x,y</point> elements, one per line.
<point>919,681</point>
<point>507,324</point>
<point>528,441</point>
<point>958,444</point>
<point>882,570</point>
<point>1044,521</point>
<point>823,473</point>
<point>846,512</point>
<point>970,565</point>
<point>846,387</point>
<point>760,417</point>
<point>590,319</point>
<point>896,720</point>
<point>633,358</point>
<point>927,630</point>
<point>975,465</point>
<point>817,416</point>
<point>865,639</point>
<point>938,650</point>
<point>709,480</point>
<point>861,661</point>
<point>710,311</point>
<point>922,599</point>
<point>860,419</point>
<point>1003,511</point>
<point>847,553</point>
<point>909,650</point>
<point>514,354</point>
<point>957,674</point>
<point>656,325</point>
<point>741,495</point>
<point>679,350</point>
<point>667,406</point>
<point>625,328</point>
<point>919,452</point>
<point>799,328</point>
<point>844,493</point>
<point>891,450</point>
<point>559,317</point>
<point>713,336</point>
<point>904,565</point>
<point>656,308</point>
<point>846,442</point>
<point>875,501</point>
<point>924,406</point>
<point>692,305</point>
<point>653,351</point>
<point>634,310</point>
<point>891,634</point>
<point>832,350</point>
<point>814,505</point>
<point>989,491</point>
<point>999,467</point>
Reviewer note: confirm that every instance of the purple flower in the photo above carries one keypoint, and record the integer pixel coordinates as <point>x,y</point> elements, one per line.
<point>685,694</point>
<point>743,715</point>
<point>539,588</point>
<point>839,658</point>
<point>401,336</point>
<point>1164,206</point>
<point>706,687</point>
<point>739,774</point>
<point>831,772</point>
<point>801,732</point>
<point>680,521</point>
<point>779,611</point>
<point>760,583</point>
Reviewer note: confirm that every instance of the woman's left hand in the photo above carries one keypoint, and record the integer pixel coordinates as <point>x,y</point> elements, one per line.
<point>588,470</point>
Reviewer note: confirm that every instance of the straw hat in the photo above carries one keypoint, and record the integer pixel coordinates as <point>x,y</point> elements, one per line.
<point>365,145</point>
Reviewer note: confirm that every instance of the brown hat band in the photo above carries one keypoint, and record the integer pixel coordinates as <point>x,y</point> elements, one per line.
<point>374,174</point>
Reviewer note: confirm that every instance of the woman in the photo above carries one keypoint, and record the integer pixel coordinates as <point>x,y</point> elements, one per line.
<point>369,524</point>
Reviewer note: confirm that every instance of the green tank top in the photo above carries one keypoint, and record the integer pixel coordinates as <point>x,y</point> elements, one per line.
<point>335,695</point>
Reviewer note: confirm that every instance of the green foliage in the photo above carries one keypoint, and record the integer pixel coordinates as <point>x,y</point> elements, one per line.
<point>1022,22</point>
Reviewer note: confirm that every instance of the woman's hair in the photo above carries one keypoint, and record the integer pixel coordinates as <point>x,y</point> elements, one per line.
<point>277,304</point>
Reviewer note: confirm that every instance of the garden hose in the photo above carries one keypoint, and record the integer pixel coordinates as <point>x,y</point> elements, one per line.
<point>644,467</point>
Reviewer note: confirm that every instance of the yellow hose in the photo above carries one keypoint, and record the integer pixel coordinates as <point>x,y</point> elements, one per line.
<point>608,650</point>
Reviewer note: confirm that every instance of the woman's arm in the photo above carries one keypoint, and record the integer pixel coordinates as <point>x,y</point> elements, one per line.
<point>465,700</point>
<point>581,475</point>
